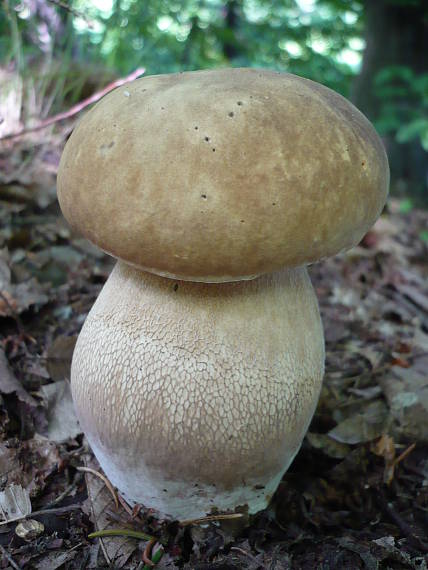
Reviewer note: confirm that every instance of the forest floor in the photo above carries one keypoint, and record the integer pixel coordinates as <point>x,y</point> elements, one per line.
<point>355,497</point>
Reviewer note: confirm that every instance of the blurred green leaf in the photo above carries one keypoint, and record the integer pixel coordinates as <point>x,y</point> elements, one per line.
<point>406,206</point>
<point>393,73</point>
<point>412,130</point>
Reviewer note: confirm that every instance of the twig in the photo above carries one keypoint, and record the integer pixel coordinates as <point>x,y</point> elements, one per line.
<point>78,107</point>
<point>132,513</point>
<point>211,518</point>
<point>404,526</point>
<point>121,532</point>
<point>405,453</point>
<point>155,559</point>
<point>105,480</point>
<point>125,506</point>
<point>57,511</point>
<point>65,492</point>
<point>245,553</point>
<point>73,11</point>
<point>147,552</point>
<point>9,558</point>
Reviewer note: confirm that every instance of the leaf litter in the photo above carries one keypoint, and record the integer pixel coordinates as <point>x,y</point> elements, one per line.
<point>356,495</point>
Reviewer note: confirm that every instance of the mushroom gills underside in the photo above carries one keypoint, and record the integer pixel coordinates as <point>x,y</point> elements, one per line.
<point>195,397</point>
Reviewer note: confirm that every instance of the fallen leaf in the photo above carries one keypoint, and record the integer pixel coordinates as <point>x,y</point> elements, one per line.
<point>54,560</point>
<point>39,459</point>
<point>328,445</point>
<point>15,503</point>
<point>116,550</point>
<point>385,448</point>
<point>10,470</point>
<point>363,426</point>
<point>16,298</point>
<point>59,357</point>
<point>9,383</point>
<point>406,391</point>
<point>61,417</point>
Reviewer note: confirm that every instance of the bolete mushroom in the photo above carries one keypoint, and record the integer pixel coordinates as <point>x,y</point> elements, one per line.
<point>198,369</point>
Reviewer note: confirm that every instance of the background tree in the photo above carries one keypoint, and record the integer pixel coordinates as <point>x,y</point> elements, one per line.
<point>392,88</point>
<point>77,49</point>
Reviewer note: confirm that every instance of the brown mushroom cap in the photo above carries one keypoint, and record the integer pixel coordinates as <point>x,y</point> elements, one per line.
<point>223,175</point>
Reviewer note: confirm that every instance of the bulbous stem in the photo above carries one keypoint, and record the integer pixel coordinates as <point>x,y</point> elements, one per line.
<point>197,396</point>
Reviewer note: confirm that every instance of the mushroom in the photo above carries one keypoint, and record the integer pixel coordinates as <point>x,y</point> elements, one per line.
<point>199,367</point>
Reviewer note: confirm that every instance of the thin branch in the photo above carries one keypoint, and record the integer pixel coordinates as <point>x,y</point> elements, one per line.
<point>73,11</point>
<point>122,532</point>
<point>66,491</point>
<point>402,524</point>
<point>105,481</point>
<point>78,107</point>
<point>405,453</point>
<point>125,506</point>
<point>147,552</point>
<point>9,558</point>
<point>211,518</point>
<point>57,511</point>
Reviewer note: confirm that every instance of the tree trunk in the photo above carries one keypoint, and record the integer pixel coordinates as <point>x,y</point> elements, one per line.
<point>396,34</point>
<point>230,44</point>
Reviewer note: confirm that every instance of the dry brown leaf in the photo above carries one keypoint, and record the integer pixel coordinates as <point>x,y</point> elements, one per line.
<point>328,445</point>
<point>117,550</point>
<point>9,383</point>
<point>54,560</point>
<point>406,391</point>
<point>363,426</point>
<point>59,356</point>
<point>62,420</point>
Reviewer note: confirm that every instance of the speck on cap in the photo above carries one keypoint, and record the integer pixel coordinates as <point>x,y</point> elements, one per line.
<point>223,175</point>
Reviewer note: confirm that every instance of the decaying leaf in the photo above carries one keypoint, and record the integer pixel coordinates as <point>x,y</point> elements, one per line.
<point>15,503</point>
<point>385,448</point>
<point>116,550</point>
<point>10,469</point>
<point>40,459</point>
<point>16,298</point>
<point>54,560</point>
<point>393,552</point>
<point>62,419</point>
<point>406,391</point>
<point>9,383</point>
<point>328,445</point>
<point>363,426</point>
<point>59,356</point>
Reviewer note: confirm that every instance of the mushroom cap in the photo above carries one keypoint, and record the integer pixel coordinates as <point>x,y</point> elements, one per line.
<point>223,175</point>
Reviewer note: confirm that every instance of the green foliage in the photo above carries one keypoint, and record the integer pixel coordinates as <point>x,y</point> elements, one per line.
<point>404,110</point>
<point>65,53</point>
<point>423,235</point>
<point>166,35</point>
<point>406,206</point>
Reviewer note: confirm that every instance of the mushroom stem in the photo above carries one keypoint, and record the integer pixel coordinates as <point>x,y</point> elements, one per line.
<point>197,396</point>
